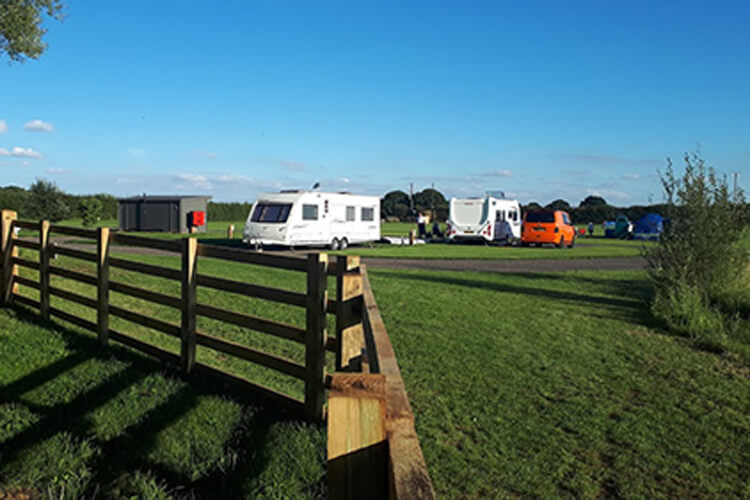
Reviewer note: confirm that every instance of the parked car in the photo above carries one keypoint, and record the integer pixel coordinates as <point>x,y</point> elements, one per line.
<point>548,227</point>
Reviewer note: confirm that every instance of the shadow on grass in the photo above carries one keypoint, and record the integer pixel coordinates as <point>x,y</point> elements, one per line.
<point>129,450</point>
<point>632,298</point>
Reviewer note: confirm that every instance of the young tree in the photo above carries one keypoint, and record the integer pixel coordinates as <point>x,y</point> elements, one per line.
<point>90,210</point>
<point>46,201</point>
<point>699,267</point>
<point>21,30</point>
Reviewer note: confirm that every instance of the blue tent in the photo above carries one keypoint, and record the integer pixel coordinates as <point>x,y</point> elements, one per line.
<point>648,227</point>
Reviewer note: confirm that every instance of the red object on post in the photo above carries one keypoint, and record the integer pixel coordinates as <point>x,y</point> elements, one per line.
<point>198,218</point>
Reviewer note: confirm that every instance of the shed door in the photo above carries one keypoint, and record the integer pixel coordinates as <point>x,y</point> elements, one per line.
<point>129,216</point>
<point>156,216</point>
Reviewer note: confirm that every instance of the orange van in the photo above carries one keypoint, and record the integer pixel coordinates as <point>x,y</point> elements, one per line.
<point>548,226</point>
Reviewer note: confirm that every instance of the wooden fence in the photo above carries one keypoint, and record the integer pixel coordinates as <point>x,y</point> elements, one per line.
<point>373,451</point>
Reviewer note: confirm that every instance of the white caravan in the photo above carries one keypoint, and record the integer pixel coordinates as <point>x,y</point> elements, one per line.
<point>312,218</point>
<point>492,219</point>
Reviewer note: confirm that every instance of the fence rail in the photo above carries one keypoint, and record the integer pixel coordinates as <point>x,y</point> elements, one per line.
<point>373,450</point>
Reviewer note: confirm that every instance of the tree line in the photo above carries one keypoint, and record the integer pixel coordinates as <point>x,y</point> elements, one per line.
<point>397,205</point>
<point>44,200</point>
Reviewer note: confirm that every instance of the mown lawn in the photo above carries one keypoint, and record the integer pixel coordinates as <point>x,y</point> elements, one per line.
<point>557,385</point>
<point>538,385</point>
<point>585,248</point>
<point>80,419</point>
<point>77,420</point>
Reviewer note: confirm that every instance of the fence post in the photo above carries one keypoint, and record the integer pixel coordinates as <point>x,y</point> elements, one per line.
<point>102,284</point>
<point>189,300</point>
<point>349,331</point>
<point>357,437</point>
<point>44,269</point>
<point>7,252</point>
<point>315,340</point>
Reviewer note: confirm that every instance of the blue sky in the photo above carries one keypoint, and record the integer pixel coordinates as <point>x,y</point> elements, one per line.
<point>539,99</point>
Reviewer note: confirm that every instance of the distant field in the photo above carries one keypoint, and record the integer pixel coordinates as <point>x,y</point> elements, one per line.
<point>585,249</point>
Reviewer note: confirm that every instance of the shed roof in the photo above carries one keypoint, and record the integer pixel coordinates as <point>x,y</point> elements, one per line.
<point>151,197</point>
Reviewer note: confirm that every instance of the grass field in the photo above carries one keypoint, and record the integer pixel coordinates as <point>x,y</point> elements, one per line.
<point>556,385</point>
<point>539,385</point>
<point>114,418</point>
<point>585,248</point>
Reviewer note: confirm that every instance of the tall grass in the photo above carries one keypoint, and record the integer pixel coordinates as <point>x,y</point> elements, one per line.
<point>699,269</point>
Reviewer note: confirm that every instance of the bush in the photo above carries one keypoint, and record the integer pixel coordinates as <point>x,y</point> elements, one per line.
<point>45,201</point>
<point>90,210</point>
<point>229,212</point>
<point>699,268</point>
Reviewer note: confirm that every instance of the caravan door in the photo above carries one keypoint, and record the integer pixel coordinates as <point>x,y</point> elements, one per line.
<point>502,226</point>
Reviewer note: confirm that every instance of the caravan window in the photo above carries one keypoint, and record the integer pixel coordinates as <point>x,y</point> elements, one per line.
<point>513,215</point>
<point>271,212</point>
<point>368,214</point>
<point>309,212</point>
<point>351,213</point>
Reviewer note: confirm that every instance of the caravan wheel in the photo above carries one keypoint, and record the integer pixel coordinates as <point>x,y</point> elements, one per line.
<point>334,244</point>
<point>343,244</point>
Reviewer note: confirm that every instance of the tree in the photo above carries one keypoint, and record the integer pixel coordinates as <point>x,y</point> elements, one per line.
<point>431,200</point>
<point>532,206</point>
<point>699,269</point>
<point>559,204</point>
<point>391,201</point>
<point>21,30</point>
<point>46,202</point>
<point>90,210</point>
<point>429,197</point>
<point>13,198</point>
<point>593,201</point>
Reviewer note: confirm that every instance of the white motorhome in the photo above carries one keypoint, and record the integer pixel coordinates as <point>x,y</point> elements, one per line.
<point>312,218</point>
<point>492,219</point>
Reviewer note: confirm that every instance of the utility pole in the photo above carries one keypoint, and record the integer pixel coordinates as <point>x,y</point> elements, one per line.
<point>432,196</point>
<point>411,197</point>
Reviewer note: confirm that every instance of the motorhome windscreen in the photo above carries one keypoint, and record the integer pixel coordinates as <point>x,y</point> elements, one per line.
<point>271,212</point>
<point>543,217</point>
